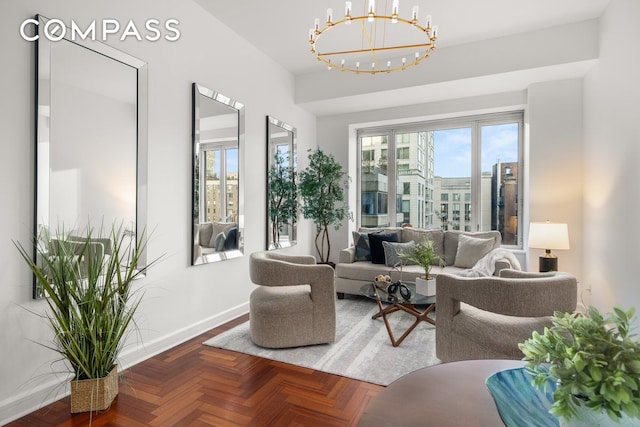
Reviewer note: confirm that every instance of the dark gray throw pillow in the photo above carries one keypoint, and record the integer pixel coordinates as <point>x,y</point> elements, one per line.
<point>375,243</point>
<point>361,243</point>
<point>231,242</point>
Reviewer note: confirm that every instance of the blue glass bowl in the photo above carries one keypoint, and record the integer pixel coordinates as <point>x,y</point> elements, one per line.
<point>519,403</point>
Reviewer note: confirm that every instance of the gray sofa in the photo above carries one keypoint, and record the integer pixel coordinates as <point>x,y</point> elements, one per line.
<point>353,270</point>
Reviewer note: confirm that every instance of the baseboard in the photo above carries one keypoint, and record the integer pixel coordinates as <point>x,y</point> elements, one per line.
<point>20,405</point>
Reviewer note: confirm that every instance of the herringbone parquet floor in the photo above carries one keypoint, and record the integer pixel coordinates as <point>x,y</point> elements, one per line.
<point>197,385</point>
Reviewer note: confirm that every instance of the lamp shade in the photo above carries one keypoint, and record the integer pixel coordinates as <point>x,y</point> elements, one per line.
<point>547,235</point>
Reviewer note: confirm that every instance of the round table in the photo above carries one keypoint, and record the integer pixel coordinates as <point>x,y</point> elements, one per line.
<point>447,395</point>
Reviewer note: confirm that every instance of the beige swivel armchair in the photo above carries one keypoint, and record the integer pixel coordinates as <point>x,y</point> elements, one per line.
<point>486,317</point>
<point>295,302</point>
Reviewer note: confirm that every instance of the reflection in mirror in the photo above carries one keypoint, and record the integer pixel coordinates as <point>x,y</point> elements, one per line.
<point>218,191</point>
<point>91,138</point>
<point>282,201</point>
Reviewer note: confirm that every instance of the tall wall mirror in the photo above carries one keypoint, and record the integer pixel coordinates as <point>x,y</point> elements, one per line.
<point>218,188</point>
<point>91,137</point>
<point>282,201</point>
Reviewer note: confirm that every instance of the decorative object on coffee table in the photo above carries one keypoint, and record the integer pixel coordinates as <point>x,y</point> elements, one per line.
<point>596,364</point>
<point>423,254</point>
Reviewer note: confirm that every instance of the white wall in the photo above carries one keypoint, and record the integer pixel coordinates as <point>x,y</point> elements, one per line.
<point>554,189</point>
<point>612,162</point>
<point>180,300</point>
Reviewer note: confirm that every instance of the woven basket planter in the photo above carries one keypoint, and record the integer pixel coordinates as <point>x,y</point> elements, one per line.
<point>94,394</point>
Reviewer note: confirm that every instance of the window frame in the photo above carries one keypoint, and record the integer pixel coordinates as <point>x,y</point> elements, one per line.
<point>475,122</point>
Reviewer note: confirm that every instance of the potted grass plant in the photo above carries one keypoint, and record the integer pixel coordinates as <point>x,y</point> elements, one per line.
<point>87,282</point>
<point>594,362</point>
<point>423,254</point>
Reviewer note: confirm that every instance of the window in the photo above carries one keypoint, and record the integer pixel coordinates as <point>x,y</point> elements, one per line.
<point>221,172</point>
<point>472,161</point>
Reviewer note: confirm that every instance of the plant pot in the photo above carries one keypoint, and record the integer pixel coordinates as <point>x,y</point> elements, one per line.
<point>587,417</point>
<point>426,286</point>
<point>94,394</point>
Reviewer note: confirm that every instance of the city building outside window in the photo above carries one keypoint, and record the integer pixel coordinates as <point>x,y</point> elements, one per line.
<point>472,159</point>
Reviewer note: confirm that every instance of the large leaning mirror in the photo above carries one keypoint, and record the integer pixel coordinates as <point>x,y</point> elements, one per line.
<point>91,136</point>
<point>282,201</point>
<point>218,190</point>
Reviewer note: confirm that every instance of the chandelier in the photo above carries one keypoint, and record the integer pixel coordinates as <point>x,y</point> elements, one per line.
<point>372,43</point>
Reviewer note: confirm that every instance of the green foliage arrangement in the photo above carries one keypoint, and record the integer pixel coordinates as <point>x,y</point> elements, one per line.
<point>593,358</point>
<point>282,195</point>
<point>322,188</point>
<point>88,285</point>
<point>423,254</point>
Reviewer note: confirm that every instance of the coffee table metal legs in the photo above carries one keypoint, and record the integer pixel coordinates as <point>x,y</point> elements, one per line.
<point>421,316</point>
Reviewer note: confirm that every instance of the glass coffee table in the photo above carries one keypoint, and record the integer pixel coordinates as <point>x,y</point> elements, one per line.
<point>405,298</point>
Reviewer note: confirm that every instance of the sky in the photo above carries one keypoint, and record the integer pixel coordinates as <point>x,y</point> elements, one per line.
<point>453,149</point>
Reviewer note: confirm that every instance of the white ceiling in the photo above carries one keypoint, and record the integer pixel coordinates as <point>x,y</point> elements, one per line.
<point>280,28</point>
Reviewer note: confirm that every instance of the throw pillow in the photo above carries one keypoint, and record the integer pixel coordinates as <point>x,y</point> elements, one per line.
<point>205,234</point>
<point>418,235</point>
<point>375,243</point>
<point>393,250</point>
<point>451,242</point>
<point>471,249</point>
<point>231,242</point>
<point>361,243</point>
<point>218,242</point>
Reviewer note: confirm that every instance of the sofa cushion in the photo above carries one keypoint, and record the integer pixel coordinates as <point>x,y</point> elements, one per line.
<point>361,243</point>
<point>471,249</point>
<point>451,242</point>
<point>392,251</point>
<point>419,234</point>
<point>375,243</point>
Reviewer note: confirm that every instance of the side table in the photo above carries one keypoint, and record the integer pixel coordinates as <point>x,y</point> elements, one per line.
<point>447,395</point>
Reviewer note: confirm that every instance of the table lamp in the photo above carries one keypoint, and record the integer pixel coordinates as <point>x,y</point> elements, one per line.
<point>547,236</point>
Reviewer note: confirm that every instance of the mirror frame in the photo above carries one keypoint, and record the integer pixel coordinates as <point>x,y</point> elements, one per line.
<point>293,142</point>
<point>43,113</point>
<point>199,91</point>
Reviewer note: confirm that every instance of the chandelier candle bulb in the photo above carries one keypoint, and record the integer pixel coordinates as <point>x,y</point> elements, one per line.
<point>434,32</point>
<point>347,12</point>
<point>329,16</point>
<point>414,15</point>
<point>394,11</point>
<point>428,22</point>
<point>372,4</point>
<point>316,25</point>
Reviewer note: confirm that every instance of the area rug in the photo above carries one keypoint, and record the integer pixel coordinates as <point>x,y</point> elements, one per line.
<point>362,349</point>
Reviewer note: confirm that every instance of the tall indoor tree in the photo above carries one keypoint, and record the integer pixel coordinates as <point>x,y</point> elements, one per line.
<point>322,185</point>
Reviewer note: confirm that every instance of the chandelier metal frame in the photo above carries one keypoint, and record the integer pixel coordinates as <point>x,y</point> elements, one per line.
<point>429,31</point>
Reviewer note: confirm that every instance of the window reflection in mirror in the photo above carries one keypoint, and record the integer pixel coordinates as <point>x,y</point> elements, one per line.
<point>218,135</point>
<point>282,202</point>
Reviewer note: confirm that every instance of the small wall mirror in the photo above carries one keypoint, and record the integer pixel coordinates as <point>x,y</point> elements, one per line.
<point>282,201</point>
<point>218,190</point>
<point>91,137</point>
